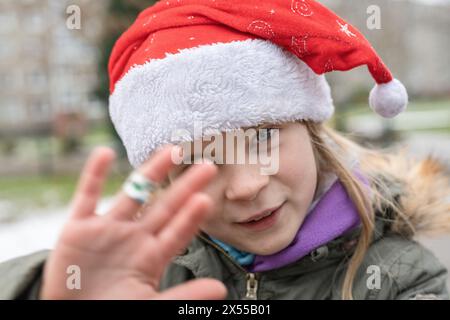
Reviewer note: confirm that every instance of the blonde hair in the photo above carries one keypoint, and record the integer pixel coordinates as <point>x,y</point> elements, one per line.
<point>373,168</point>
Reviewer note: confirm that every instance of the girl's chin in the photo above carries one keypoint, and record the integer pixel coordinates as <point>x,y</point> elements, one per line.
<point>262,249</point>
<point>285,235</point>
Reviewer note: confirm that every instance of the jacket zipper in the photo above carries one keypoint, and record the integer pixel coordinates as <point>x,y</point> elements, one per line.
<point>252,287</point>
<point>251,277</point>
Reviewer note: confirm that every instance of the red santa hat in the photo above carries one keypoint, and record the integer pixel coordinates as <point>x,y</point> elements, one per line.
<point>230,64</point>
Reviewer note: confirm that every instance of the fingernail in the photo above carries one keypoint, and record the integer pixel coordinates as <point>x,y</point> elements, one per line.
<point>208,161</point>
<point>100,149</point>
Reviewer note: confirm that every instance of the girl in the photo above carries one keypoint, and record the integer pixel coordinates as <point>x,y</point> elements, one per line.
<point>334,221</point>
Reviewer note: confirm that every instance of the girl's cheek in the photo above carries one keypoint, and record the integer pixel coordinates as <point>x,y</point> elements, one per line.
<point>214,226</point>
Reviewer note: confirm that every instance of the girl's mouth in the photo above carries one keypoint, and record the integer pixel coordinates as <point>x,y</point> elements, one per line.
<point>263,223</point>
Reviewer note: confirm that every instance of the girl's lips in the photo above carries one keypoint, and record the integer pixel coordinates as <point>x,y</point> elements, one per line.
<point>264,223</point>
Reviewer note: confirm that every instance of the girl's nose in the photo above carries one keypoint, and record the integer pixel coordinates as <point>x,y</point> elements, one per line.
<point>245,182</point>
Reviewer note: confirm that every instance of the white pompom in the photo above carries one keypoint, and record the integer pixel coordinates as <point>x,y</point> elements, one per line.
<point>388,99</point>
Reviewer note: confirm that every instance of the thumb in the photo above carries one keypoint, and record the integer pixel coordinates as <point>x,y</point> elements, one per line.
<point>201,289</point>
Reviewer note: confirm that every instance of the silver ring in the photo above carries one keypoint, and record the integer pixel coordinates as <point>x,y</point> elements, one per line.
<point>138,187</point>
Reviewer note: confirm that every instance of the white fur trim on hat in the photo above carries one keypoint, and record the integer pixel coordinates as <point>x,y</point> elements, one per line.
<point>225,86</point>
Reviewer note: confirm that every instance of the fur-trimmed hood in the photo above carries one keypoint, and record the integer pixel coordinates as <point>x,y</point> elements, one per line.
<point>420,189</point>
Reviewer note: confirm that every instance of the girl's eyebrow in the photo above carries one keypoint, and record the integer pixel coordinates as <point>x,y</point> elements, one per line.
<point>260,126</point>
<point>268,125</point>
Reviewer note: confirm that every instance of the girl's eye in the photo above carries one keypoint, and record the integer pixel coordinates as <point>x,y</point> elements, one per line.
<point>264,134</point>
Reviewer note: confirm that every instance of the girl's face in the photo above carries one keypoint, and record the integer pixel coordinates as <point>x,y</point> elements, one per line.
<point>241,193</point>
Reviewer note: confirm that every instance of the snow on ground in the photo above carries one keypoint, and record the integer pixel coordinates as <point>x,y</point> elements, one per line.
<point>36,231</point>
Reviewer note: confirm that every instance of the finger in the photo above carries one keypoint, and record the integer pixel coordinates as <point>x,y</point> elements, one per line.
<point>195,179</point>
<point>200,289</point>
<point>91,181</point>
<point>156,169</point>
<point>182,228</point>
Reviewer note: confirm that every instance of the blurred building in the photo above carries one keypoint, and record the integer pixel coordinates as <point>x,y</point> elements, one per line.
<point>413,40</point>
<point>46,68</point>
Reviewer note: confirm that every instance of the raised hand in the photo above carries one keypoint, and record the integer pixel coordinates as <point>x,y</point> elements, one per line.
<point>119,256</point>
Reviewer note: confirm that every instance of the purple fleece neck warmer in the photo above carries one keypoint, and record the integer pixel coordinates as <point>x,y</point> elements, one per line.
<point>332,216</point>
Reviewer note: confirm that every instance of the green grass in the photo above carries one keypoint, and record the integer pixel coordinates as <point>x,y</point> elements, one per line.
<point>359,109</point>
<point>414,105</point>
<point>39,191</point>
<point>43,191</point>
